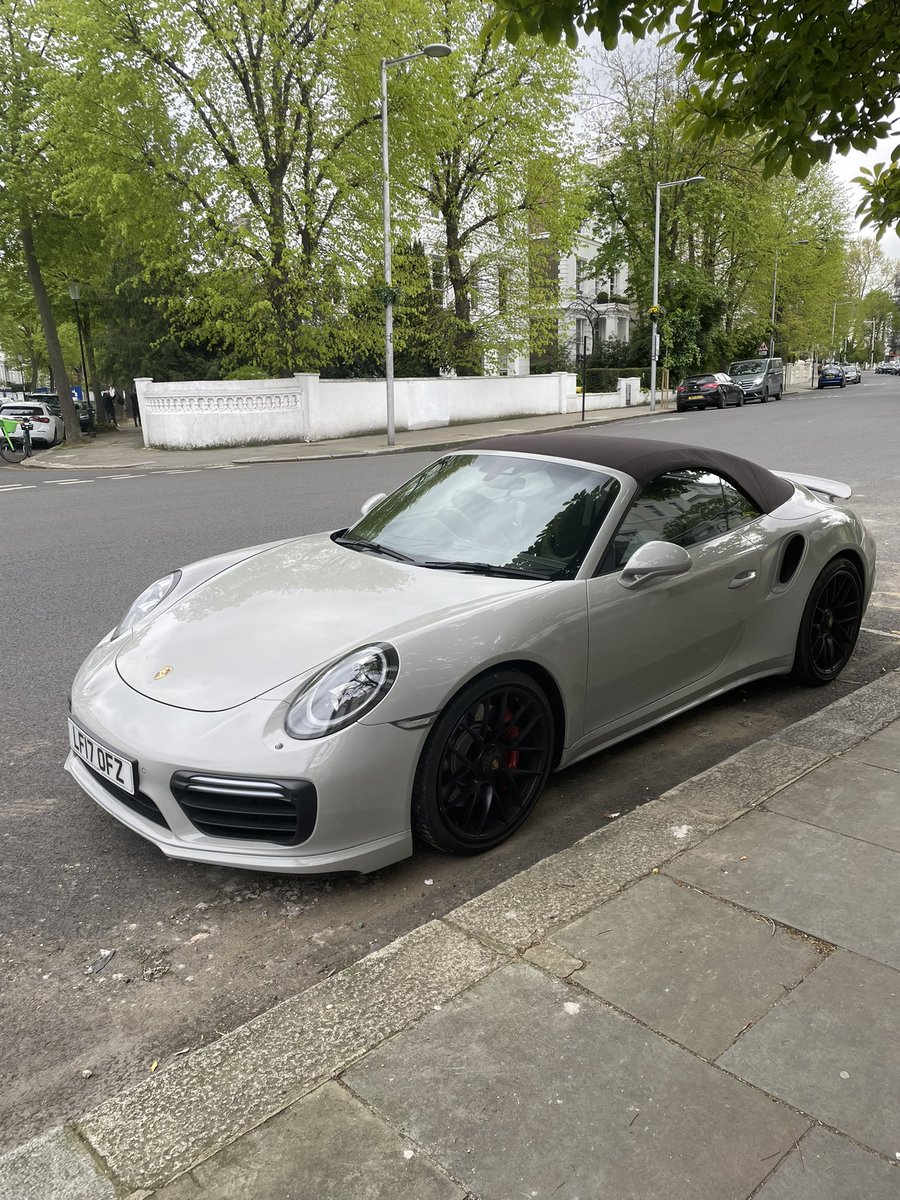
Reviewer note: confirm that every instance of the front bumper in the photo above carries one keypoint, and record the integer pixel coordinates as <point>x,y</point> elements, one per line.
<point>362,775</point>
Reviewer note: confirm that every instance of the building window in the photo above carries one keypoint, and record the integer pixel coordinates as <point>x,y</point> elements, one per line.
<point>613,282</point>
<point>581,275</point>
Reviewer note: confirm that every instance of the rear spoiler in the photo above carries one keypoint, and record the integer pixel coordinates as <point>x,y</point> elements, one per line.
<point>831,489</point>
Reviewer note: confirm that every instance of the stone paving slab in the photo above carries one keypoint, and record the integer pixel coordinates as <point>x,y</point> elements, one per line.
<point>523,909</point>
<point>525,1086</point>
<point>834,887</point>
<point>824,1166</point>
<point>744,780</point>
<point>690,967</point>
<point>327,1146</point>
<point>164,1126</point>
<point>54,1166</point>
<point>880,750</point>
<point>830,1049</point>
<point>848,797</point>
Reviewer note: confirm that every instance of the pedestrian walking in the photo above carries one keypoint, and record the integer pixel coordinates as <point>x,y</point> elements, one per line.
<point>109,405</point>
<point>135,407</point>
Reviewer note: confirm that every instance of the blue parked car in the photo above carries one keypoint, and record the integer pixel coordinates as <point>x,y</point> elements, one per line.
<point>831,375</point>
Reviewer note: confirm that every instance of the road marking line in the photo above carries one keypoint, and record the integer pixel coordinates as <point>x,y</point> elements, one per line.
<point>140,475</point>
<point>65,482</point>
<point>181,471</point>
<point>17,487</point>
<point>881,632</point>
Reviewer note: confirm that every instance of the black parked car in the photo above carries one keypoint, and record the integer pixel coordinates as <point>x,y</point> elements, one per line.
<point>703,391</point>
<point>831,375</point>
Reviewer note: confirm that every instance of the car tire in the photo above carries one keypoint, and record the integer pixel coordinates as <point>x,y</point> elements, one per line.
<point>681,407</point>
<point>843,383</point>
<point>764,398</point>
<point>476,783</point>
<point>739,403</point>
<point>720,403</point>
<point>821,386</point>
<point>835,603</point>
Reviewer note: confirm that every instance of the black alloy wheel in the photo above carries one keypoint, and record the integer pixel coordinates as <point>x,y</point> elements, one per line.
<point>484,765</point>
<point>830,624</point>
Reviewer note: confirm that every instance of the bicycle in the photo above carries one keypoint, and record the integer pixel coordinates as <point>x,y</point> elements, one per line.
<point>15,439</point>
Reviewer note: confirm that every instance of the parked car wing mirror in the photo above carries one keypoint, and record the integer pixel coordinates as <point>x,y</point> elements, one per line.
<point>371,502</point>
<point>655,560</point>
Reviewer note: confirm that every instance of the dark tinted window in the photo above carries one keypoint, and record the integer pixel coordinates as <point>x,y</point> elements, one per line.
<point>684,507</point>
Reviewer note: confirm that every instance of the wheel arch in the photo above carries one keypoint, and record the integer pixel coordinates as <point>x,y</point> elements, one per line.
<point>856,558</point>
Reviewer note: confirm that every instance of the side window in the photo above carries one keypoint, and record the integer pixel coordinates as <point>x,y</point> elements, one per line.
<point>738,509</point>
<point>684,507</point>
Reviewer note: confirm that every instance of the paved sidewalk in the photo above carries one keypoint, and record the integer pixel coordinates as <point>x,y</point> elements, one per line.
<point>124,448</point>
<point>701,1001</point>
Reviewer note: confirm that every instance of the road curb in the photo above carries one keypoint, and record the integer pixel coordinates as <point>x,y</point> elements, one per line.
<point>176,1119</point>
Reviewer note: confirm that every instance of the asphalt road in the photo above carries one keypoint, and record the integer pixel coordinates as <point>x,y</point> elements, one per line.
<point>198,950</point>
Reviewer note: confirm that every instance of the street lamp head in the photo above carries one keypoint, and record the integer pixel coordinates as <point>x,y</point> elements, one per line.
<point>696,179</point>
<point>74,291</point>
<point>437,50</point>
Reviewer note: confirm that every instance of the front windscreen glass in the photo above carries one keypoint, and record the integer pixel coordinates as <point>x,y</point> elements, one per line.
<point>750,366</point>
<point>491,513</point>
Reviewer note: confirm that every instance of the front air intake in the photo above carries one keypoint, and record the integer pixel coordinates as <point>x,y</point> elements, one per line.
<point>281,811</point>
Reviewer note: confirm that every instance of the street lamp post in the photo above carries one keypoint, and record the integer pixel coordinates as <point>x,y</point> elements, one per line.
<point>654,310</point>
<point>75,294</point>
<point>778,249</point>
<point>436,50</point>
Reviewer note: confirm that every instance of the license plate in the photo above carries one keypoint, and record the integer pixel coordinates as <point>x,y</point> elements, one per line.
<point>112,766</point>
<point>695,397</point>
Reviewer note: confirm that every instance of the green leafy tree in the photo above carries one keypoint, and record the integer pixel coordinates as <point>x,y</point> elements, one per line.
<point>499,170</point>
<point>29,168</point>
<point>717,239</point>
<point>803,80</point>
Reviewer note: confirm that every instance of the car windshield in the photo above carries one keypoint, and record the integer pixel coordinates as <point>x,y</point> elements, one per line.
<point>749,366</point>
<point>21,410</point>
<point>492,513</point>
<point>691,380</point>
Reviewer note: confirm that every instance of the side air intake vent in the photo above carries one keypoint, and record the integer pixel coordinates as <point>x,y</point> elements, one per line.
<point>790,557</point>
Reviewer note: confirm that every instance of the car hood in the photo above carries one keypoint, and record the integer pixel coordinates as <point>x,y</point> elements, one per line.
<point>280,614</point>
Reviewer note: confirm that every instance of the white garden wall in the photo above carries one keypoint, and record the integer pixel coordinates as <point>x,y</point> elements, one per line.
<point>189,416</point>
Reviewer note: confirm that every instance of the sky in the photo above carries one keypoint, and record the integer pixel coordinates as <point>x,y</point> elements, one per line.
<point>847,166</point>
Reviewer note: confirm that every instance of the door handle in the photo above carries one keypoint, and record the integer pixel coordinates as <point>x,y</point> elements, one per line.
<point>742,580</point>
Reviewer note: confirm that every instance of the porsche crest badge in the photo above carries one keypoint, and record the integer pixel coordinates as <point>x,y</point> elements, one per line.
<point>163,672</point>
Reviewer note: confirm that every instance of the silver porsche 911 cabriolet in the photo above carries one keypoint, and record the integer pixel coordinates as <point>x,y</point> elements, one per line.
<point>315,704</point>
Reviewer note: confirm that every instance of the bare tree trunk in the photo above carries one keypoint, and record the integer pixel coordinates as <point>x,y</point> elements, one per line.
<point>51,336</point>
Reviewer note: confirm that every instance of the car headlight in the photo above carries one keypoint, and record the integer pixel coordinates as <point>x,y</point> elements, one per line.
<point>343,692</point>
<point>146,602</point>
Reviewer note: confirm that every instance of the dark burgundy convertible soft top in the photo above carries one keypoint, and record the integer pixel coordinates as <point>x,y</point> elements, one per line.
<point>644,459</point>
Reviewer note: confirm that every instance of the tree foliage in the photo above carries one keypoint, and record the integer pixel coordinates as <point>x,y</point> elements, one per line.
<point>718,238</point>
<point>803,80</point>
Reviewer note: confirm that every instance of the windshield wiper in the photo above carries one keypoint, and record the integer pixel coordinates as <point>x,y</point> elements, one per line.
<point>479,568</point>
<point>374,548</point>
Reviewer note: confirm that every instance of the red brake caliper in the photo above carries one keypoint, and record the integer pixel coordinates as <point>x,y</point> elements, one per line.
<point>511,758</point>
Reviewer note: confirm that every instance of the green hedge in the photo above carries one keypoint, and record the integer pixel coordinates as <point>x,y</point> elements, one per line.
<point>606,379</point>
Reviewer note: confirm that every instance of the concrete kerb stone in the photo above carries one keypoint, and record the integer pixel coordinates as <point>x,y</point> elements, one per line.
<point>53,1166</point>
<point>521,911</point>
<point>743,781</point>
<point>151,1133</point>
<point>847,721</point>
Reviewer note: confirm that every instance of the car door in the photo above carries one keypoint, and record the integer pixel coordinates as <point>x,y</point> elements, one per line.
<point>649,641</point>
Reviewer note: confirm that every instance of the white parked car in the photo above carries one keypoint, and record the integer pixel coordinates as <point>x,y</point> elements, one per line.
<point>47,427</point>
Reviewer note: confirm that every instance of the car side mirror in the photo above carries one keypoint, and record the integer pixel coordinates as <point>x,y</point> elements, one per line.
<point>371,502</point>
<point>655,560</point>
